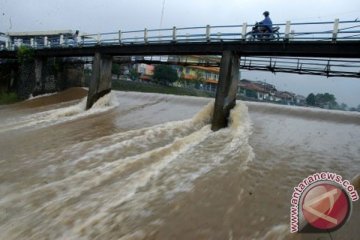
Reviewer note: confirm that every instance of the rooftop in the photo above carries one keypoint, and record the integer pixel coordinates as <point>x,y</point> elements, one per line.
<point>40,33</point>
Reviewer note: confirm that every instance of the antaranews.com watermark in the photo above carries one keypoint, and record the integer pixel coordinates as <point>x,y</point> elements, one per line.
<point>321,203</point>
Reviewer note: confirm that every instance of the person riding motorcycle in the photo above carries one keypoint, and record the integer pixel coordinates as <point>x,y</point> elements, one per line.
<point>264,30</point>
<point>266,24</point>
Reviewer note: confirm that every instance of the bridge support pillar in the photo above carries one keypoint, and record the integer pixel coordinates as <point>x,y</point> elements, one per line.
<point>226,89</point>
<point>36,76</point>
<point>26,79</point>
<point>100,82</point>
<point>40,73</point>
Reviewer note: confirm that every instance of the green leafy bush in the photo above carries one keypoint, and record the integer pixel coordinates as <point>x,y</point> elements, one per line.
<point>25,54</point>
<point>6,98</point>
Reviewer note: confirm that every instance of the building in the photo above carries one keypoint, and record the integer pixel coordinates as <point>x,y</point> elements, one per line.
<point>261,91</point>
<point>257,90</point>
<point>300,100</point>
<point>145,71</point>
<point>41,38</point>
<point>199,72</point>
<point>287,98</point>
<point>198,76</point>
<point>205,78</point>
<point>3,39</point>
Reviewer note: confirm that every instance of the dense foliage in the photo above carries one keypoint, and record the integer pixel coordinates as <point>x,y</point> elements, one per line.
<point>25,54</point>
<point>165,75</point>
<point>323,100</point>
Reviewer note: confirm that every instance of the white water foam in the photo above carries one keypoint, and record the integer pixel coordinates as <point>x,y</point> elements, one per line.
<point>31,97</point>
<point>115,186</point>
<point>231,141</point>
<point>89,179</point>
<point>63,114</point>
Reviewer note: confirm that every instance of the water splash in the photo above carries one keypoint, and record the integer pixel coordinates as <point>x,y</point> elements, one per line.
<point>110,181</point>
<point>62,114</point>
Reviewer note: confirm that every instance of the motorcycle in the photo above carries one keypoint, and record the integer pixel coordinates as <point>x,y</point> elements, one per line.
<point>261,33</point>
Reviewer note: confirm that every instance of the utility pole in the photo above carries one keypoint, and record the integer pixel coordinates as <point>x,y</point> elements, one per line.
<point>162,14</point>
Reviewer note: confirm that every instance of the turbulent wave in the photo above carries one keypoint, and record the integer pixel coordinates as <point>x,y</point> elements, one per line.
<point>59,115</point>
<point>40,96</point>
<point>103,187</point>
<point>147,166</point>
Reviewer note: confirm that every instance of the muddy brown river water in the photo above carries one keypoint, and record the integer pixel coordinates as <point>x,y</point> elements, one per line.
<point>147,166</point>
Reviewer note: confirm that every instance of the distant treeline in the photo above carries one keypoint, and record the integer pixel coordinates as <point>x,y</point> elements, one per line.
<point>327,100</point>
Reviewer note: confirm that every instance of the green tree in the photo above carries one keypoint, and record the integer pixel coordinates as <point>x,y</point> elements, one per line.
<point>343,106</point>
<point>326,100</point>
<point>323,100</point>
<point>310,100</point>
<point>164,74</point>
<point>25,54</point>
<point>133,74</point>
<point>116,69</point>
<point>352,109</point>
<point>355,109</point>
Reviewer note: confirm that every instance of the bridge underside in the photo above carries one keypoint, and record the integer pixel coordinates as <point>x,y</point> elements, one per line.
<point>324,49</point>
<point>225,96</point>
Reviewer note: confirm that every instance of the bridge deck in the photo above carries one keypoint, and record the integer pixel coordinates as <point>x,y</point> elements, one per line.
<point>340,49</point>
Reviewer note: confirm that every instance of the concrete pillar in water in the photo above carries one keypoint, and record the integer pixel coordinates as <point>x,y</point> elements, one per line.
<point>100,82</point>
<point>226,90</point>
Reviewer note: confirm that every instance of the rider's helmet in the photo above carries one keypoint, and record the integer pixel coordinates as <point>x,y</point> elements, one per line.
<point>266,13</point>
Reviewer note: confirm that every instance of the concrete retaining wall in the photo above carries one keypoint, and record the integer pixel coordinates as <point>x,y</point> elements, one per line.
<point>39,76</point>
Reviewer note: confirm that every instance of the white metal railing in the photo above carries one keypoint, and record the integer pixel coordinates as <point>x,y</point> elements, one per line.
<point>311,31</point>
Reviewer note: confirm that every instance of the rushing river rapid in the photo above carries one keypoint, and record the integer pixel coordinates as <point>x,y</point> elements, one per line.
<point>147,166</point>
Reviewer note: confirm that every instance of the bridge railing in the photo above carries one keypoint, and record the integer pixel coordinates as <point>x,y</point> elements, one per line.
<point>322,31</point>
<point>315,31</point>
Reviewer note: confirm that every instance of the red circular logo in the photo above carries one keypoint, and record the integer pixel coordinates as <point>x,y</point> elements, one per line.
<point>326,206</point>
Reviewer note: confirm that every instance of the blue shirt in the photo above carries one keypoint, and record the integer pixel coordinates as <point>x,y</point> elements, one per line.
<point>267,22</point>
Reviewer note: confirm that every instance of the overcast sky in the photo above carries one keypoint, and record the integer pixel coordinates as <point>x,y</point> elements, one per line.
<point>111,15</point>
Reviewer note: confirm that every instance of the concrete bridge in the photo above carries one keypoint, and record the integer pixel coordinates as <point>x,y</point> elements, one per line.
<point>334,43</point>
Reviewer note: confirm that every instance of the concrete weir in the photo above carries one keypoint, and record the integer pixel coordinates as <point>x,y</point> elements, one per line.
<point>226,91</point>
<point>100,83</point>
